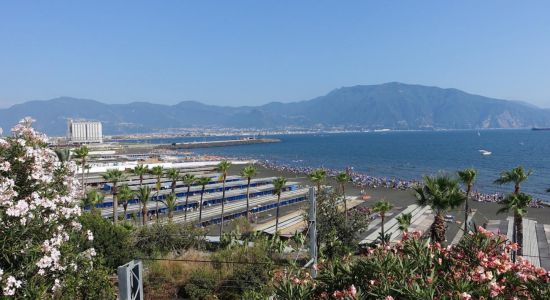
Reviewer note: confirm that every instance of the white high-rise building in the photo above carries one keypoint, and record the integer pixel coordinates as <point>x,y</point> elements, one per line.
<point>85,132</point>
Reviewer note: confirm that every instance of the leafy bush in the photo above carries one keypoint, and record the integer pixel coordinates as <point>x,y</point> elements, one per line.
<point>160,239</point>
<point>201,286</point>
<point>164,278</point>
<point>97,285</point>
<point>113,243</point>
<point>478,267</point>
<point>335,235</point>
<point>253,270</point>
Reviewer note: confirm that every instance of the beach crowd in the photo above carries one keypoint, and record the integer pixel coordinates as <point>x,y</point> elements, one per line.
<point>367,181</point>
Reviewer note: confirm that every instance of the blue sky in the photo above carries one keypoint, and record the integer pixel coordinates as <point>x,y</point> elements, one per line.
<point>254,52</point>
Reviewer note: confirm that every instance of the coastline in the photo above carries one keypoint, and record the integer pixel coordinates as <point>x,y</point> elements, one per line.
<point>400,198</point>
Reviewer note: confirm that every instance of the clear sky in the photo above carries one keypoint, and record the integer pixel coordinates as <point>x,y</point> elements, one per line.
<point>253,52</point>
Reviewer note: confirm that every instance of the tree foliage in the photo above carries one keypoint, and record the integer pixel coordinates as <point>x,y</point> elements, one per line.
<point>336,236</point>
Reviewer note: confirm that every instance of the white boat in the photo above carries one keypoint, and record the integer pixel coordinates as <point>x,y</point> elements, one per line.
<point>485,152</point>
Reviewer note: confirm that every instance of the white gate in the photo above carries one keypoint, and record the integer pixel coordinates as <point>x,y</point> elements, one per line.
<point>130,281</point>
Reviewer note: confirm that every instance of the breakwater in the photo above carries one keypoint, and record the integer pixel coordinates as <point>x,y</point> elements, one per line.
<point>211,144</point>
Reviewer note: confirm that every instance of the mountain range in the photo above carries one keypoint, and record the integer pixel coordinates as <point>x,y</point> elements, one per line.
<point>390,105</point>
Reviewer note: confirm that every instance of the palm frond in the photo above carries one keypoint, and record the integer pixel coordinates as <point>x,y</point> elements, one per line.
<point>188,179</point>
<point>140,170</point>
<point>382,207</point>
<point>342,177</point>
<point>248,171</point>
<point>467,176</point>
<point>440,192</point>
<point>223,166</point>
<point>144,194</point>
<point>279,184</point>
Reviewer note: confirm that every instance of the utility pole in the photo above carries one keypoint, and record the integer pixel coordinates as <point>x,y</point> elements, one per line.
<point>313,232</point>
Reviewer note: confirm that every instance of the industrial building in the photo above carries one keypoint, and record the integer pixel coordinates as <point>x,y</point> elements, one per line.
<point>85,132</point>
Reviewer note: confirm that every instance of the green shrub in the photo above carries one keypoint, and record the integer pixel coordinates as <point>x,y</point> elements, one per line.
<point>96,286</point>
<point>161,239</point>
<point>113,243</point>
<point>201,286</point>
<point>252,272</point>
<point>336,236</point>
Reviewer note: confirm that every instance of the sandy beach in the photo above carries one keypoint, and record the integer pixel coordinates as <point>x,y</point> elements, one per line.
<point>401,198</point>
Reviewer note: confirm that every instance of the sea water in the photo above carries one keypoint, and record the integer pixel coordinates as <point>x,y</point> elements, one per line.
<point>411,154</point>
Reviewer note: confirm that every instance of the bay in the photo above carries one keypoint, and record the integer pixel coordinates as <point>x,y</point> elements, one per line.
<point>411,154</point>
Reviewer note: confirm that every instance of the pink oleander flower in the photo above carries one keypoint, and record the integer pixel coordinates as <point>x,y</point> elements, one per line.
<point>338,294</point>
<point>541,272</point>
<point>388,298</point>
<point>485,232</point>
<point>480,255</point>
<point>495,289</point>
<point>465,296</point>
<point>523,277</point>
<point>352,290</point>
<point>512,246</point>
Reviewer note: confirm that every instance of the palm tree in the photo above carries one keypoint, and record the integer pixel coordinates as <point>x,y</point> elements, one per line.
<point>382,207</point>
<point>188,180</point>
<point>174,175</point>
<point>248,172</point>
<point>171,205</point>
<point>93,198</point>
<point>203,181</point>
<point>82,153</point>
<point>144,195</point>
<point>441,193</point>
<point>468,177</point>
<point>516,175</point>
<point>157,171</point>
<point>317,177</point>
<point>125,194</point>
<point>278,188</point>
<point>517,203</point>
<point>342,178</point>
<point>223,167</point>
<point>404,221</point>
<point>114,176</point>
<point>140,170</point>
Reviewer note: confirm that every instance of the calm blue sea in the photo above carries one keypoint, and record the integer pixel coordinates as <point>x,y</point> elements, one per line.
<point>409,155</point>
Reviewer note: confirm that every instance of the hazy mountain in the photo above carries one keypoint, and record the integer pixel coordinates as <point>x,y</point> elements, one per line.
<point>390,105</point>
